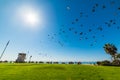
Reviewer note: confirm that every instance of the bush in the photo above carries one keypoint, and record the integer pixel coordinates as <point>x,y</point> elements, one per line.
<point>11,62</point>
<point>78,62</point>
<point>32,62</point>
<point>36,62</point>
<point>108,63</point>
<point>1,61</point>
<point>49,62</point>
<point>99,63</point>
<point>116,62</point>
<point>41,62</point>
<point>55,62</point>
<point>104,63</point>
<point>70,62</point>
<point>63,63</point>
<point>5,61</point>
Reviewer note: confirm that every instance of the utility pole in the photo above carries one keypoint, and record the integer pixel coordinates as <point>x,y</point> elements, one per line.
<point>4,49</point>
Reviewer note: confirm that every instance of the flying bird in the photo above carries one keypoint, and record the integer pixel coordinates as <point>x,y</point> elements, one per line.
<point>81,33</point>
<point>77,20</point>
<point>103,6</point>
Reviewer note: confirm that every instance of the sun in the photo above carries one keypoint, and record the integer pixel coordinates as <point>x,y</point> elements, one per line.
<point>29,16</point>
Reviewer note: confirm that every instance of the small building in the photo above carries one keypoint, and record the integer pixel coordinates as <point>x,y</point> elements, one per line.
<point>21,58</point>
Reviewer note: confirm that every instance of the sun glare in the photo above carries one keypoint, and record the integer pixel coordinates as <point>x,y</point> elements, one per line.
<point>29,16</point>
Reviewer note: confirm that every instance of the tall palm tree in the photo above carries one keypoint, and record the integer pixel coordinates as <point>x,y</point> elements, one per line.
<point>118,56</point>
<point>4,49</point>
<point>111,49</point>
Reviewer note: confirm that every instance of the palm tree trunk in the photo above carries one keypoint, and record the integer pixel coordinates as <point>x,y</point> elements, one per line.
<point>114,57</point>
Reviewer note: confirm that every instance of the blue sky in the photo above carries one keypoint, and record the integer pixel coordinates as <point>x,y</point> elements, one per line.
<point>64,30</point>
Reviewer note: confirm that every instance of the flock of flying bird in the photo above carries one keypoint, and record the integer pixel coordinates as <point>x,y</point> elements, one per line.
<point>64,30</point>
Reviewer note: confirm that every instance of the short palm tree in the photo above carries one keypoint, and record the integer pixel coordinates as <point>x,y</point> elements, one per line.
<point>111,49</point>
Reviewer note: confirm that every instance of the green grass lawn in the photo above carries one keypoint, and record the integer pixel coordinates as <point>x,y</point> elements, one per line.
<point>58,72</point>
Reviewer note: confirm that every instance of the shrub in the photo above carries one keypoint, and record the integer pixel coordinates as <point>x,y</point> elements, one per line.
<point>116,62</point>
<point>1,61</point>
<point>55,62</point>
<point>11,62</point>
<point>70,62</point>
<point>5,61</point>
<point>99,63</point>
<point>41,62</point>
<point>78,62</point>
<point>32,62</point>
<point>104,63</point>
<point>36,62</point>
<point>63,63</point>
<point>49,62</point>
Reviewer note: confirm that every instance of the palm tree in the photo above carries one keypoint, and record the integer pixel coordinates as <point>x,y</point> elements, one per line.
<point>118,56</point>
<point>111,49</point>
<point>4,49</point>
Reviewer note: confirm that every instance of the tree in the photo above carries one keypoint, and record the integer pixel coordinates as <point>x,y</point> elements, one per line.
<point>118,56</point>
<point>4,49</point>
<point>111,49</point>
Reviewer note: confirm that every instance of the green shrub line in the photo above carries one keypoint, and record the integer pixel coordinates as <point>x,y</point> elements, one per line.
<point>42,62</point>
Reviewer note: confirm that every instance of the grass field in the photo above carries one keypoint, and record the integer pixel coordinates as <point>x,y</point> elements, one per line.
<point>57,72</point>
